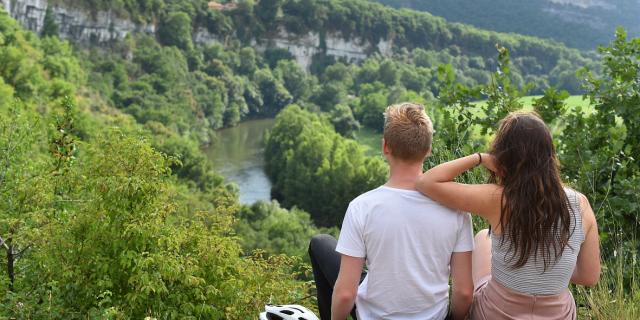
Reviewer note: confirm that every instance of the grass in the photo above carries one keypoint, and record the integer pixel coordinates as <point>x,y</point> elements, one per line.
<point>371,139</point>
<point>610,299</point>
<point>572,102</point>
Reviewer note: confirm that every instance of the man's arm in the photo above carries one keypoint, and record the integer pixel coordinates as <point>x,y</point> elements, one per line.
<point>462,295</point>
<point>346,288</point>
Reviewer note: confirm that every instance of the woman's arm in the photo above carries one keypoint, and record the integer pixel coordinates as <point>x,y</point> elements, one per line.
<point>481,199</point>
<point>587,271</point>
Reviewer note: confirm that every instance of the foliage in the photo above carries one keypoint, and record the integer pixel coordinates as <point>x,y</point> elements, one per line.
<point>315,168</point>
<point>49,26</point>
<point>175,30</point>
<point>600,150</point>
<point>193,89</point>
<point>267,226</point>
<point>539,18</point>
<point>93,222</point>
<point>124,236</point>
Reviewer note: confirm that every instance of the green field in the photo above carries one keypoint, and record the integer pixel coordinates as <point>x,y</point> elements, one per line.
<point>371,139</point>
<point>573,102</point>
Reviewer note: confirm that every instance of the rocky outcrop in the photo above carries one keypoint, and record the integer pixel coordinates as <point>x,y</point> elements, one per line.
<point>584,4</point>
<point>304,48</point>
<point>104,26</point>
<point>74,24</point>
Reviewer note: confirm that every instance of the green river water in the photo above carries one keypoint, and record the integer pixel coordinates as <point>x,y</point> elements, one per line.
<point>239,156</point>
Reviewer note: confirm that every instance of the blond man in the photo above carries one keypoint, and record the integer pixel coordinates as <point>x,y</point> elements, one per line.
<point>411,244</point>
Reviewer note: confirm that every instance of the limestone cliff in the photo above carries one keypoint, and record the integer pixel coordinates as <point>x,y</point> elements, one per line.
<point>104,26</point>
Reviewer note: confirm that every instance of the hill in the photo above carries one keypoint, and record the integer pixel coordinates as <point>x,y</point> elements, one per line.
<point>94,223</point>
<point>201,68</point>
<point>583,24</point>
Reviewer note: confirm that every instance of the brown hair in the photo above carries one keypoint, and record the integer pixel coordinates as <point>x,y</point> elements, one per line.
<point>534,214</point>
<point>408,131</point>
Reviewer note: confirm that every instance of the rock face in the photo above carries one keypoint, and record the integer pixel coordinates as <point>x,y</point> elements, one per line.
<point>104,26</point>
<point>303,48</point>
<point>74,24</point>
<point>584,4</point>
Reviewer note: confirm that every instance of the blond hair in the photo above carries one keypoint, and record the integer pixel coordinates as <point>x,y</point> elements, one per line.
<point>408,131</point>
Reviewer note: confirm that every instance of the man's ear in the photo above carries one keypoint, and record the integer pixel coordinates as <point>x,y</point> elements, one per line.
<point>429,152</point>
<point>385,147</point>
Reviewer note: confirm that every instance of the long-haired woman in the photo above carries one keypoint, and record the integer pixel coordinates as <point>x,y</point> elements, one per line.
<point>543,235</point>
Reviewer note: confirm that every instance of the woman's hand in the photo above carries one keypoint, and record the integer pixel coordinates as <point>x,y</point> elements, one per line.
<point>489,162</point>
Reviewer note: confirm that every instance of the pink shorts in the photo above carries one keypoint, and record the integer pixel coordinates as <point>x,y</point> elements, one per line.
<point>493,301</point>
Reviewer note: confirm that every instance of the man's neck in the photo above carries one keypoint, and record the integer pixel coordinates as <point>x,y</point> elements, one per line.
<point>404,175</point>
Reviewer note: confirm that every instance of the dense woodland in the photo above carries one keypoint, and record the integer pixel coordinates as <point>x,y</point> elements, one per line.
<point>194,89</point>
<point>573,24</point>
<point>93,221</point>
<point>109,209</point>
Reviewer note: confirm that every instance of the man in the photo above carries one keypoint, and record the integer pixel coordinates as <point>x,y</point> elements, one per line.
<point>411,244</point>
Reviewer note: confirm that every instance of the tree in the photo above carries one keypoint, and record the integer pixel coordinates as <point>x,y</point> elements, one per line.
<point>175,30</point>
<point>267,11</point>
<point>372,107</point>
<point>343,120</point>
<point>248,64</point>
<point>316,169</point>
<point>388,73</point>
<point>49,27</point>
<point>294,79</point>
<point>339,73</point>
<point>267,226</point>
<point>22,182</point>
<point>275,95</point>
<point>600,149</point>
<point>329,95</point>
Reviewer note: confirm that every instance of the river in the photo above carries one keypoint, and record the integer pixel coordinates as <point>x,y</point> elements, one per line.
<point>238,155</point>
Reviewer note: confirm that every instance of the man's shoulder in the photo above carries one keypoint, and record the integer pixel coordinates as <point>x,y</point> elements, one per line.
<point>386,196</point>
<point>367,197</point>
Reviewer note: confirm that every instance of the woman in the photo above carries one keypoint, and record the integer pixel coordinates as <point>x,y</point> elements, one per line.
<point>542,235</point>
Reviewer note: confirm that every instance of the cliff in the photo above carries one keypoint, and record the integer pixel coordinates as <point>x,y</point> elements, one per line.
<point>104,26</point>
<point>74,24</point>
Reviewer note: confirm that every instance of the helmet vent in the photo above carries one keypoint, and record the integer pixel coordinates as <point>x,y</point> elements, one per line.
<point>272,316</point>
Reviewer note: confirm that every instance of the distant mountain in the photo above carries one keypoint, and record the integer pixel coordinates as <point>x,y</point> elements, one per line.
<point>583,24</point>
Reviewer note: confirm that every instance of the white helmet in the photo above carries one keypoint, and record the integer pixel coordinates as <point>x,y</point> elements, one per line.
<point>287,312</point>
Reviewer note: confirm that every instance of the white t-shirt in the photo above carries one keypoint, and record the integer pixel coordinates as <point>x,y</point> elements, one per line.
<point>407,240</point>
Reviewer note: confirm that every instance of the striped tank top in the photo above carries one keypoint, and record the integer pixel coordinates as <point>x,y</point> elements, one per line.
<point>531,278</point>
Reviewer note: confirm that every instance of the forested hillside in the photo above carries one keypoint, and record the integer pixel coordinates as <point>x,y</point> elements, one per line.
<point>93,224</point>
<point>580,24</point>
<point>168,81</point>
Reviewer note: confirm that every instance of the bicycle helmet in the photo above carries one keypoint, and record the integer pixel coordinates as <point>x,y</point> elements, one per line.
<point>287,312</point>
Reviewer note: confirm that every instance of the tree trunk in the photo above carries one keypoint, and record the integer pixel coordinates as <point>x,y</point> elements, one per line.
<point>10,263</point>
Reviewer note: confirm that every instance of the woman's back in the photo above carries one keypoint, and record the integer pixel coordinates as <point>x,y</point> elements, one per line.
<point>532,278</point>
